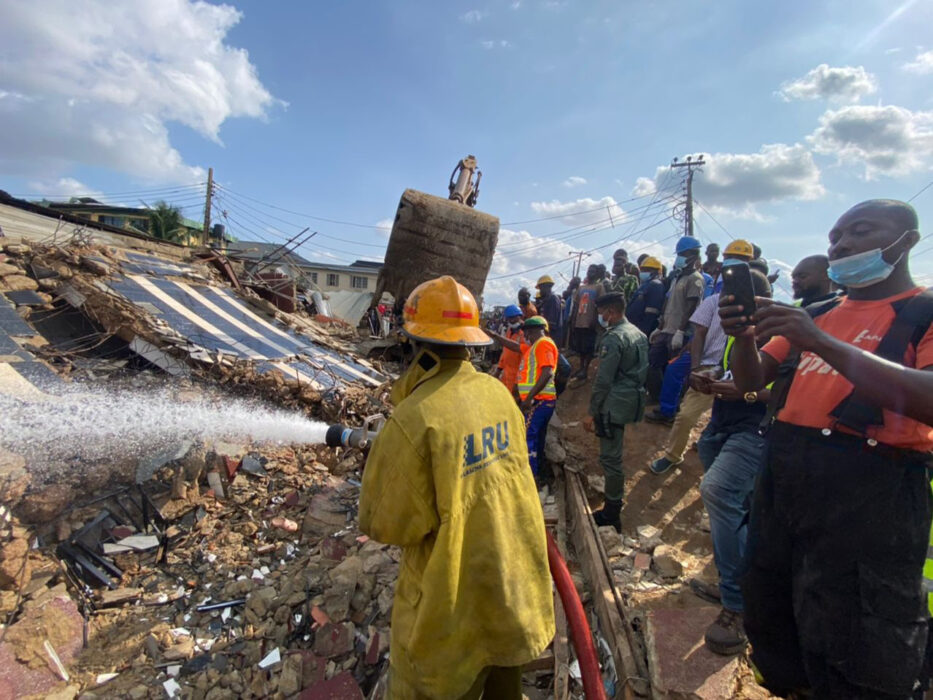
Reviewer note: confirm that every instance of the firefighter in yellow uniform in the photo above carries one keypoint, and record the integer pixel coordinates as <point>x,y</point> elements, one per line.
<point>448,481</point>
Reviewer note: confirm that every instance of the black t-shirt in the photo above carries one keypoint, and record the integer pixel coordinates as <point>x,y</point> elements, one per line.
<point>737,416</point>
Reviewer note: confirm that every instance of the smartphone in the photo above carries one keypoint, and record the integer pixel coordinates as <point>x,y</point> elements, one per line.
<point>737,282</point>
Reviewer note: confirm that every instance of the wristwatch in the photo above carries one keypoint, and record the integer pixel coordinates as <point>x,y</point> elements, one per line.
<point>751,396</point>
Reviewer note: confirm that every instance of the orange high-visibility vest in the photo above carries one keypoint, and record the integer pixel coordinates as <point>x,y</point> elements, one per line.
<point>540,355</point>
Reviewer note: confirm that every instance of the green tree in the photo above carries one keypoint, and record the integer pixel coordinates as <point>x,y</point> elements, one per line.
<point>165,222</point>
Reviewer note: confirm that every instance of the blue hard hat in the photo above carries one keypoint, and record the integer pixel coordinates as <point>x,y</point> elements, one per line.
<point>687,243</point>
<point>512,310</point>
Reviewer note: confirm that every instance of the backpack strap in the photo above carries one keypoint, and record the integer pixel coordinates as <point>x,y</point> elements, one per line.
<point>787,369</point>
<point>912,320</point>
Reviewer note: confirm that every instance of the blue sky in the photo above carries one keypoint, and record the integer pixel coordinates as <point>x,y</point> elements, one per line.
<point>572,109</point>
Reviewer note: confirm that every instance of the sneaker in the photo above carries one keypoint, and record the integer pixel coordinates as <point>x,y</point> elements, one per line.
<point>657,417</point>
<point>707,591</point>
<point>661,465</point>
<point>726,636</point>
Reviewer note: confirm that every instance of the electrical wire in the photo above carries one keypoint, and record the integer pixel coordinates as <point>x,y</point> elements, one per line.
<point>924,189</point>
<point>564,260</point>
<point>577,213</point>
<point>95,195</point>
<point>548,240</point>
<point>258,222</point>
<point>241,202</point>
<point>297,213</point>
<point>715,220</point>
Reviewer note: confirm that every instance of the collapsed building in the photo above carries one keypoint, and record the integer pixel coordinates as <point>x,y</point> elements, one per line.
<point>220,567</point>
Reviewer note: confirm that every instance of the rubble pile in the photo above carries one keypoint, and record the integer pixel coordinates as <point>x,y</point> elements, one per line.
<point>255,584</point>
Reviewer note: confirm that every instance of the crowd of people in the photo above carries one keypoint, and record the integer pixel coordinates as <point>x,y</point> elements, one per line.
<point>817,457</point>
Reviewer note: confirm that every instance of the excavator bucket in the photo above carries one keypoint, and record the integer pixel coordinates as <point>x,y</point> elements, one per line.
<point>433,236</point>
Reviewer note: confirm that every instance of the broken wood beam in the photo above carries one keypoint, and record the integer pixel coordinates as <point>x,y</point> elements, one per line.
<point>632,675</point>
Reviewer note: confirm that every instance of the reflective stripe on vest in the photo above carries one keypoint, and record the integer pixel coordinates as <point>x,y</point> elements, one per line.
<point>528,374</point>
<point>928,574</point>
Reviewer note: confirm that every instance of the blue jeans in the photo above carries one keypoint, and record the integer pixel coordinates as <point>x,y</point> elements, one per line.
<point>731,463</point>
<point>536,431</point>
<point>673,386</point>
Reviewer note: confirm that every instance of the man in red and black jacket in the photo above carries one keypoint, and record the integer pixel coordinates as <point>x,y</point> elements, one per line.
<point>840,518</point>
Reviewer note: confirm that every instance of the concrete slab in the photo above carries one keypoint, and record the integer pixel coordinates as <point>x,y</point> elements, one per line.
<point>24,666</point>
<point>681,665</point>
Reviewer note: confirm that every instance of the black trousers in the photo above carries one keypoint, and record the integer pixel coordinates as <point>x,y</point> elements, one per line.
<point>837,540</point>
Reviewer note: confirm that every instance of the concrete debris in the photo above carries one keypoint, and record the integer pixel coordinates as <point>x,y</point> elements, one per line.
<point>649,537</point>
<point>666,563</point>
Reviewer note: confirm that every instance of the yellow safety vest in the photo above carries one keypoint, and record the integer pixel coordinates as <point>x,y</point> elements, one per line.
<point>928,573</point>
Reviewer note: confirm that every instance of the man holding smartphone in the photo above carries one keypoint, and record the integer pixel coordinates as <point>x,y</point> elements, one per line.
<point>732,453</point>
<point>840,519</point>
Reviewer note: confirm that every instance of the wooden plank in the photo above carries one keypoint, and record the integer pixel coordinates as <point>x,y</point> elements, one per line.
<point>632,683</point>
<point>545,662</point>
<point>561,644</point>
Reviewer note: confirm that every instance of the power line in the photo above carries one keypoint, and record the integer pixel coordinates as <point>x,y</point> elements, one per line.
<point>550,239</point>
<point>267,227</point>
<point>715,220</point>
<point>298,213</point>
<point>177,188</point>
<point>238,199</point>
<point>924,189</point>
<point>576,213</point>
<point>563,261</point>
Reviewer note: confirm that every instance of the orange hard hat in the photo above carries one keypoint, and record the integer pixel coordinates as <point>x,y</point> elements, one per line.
<point>443,311</point>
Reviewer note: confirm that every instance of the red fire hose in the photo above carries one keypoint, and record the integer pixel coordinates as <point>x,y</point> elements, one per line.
<point>576,618</point>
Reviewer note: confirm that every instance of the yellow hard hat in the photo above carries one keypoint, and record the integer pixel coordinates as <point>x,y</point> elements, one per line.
<point>443,311</point>
<point>652,263</point>
<point>544,279</point>
<point>740,247</point>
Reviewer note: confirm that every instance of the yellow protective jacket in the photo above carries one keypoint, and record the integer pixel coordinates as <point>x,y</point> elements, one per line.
<point>448,480</point>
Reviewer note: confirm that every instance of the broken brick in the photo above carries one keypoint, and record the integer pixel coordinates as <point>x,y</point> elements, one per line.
<point>340,687</point>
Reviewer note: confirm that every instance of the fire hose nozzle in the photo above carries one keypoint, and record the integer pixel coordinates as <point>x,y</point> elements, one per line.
<point>339,435</point>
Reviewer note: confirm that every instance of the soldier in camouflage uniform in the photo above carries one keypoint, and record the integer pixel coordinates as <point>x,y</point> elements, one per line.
<point>622,282</point>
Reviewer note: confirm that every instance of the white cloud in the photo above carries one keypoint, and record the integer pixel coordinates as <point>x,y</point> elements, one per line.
<point>96,83</point>
<point>837,84</point>
<point>489,44</point>
<point>886,140</point>
<point>520,250</point>
<point>922,64</point>
<point>62,188</point>
<point>473,16</point>
<point>385,226</point>
<point>733,184</point>
<point>582,212</point>
<point>574,181</point>
<point>644,186</point>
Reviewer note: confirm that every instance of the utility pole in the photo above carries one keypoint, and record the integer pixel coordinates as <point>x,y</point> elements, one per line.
<point>690,164</point>
<point>578,263</point>
<point>207,207</point>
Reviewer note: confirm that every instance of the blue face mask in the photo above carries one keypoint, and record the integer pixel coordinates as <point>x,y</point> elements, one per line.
<point>602,321</point>
<point>644,276</point>
<point>863,269</point>
<point>679,262</point>
<point>731,261</point>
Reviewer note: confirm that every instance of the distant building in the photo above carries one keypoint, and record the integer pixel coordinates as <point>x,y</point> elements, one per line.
<point>129,218</point>
<point>359,276</point>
